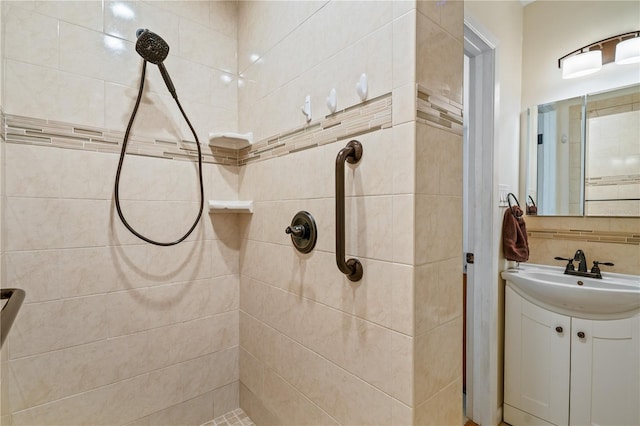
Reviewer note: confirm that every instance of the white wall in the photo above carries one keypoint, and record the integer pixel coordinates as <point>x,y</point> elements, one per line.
<point>503,20</point>
<point>554,28</point>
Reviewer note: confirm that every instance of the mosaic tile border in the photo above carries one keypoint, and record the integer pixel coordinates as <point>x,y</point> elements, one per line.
<point>359,119</point>
<point>613,180</point>
<point>35,131</point>
<point>586,235</point>
<point>438,111</point>
<point>369,116</point>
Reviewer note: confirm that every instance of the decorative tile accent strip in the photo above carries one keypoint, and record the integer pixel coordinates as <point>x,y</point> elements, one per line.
<point>34,131</point>
<point>586,235</point>
<point>617,105</point>
<point>236,417</point>
<point>613,180</point>
<point>351,122</point>
<point>438,111</point>
<point>359,119</point>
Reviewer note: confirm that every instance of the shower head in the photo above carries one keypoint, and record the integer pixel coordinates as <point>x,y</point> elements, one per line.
<point>154,49</point>
<point>151,46</point>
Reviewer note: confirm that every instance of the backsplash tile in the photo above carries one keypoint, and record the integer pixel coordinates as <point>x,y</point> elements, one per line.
<point>585,235</point>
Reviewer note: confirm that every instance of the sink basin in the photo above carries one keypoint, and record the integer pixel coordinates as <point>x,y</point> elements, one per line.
<point>615,296</point>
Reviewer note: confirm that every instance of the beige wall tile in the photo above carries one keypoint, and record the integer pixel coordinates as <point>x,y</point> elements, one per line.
<point>255,408</point>
<point>438,293</point>
<point>85,13</point>
<point>41,92</point>
<point>401,415</point>
<point>209,372</point>
<point>402,360</point>
<point>370,176</point>
<point>86,174</point>
<point>448,15</point>
<point>343,396</point>
<point>403,229</point>
<point>93,54</point>
<point>403,158</point>
<point>290,405</point>
<point>207,47</point>
<point>403,299</point>
<point>439,230</point>
<point>83,223</point>
<point>156,117</point>
<point>193,412</point>
<point>36,272</point>
<point>30,37</point>
<point>444,75</point>
<point>443,408</point>
<point>192,10</point>
<point>142,309</point>
<point>225,399</point>
<point>258,339</point>
<point>78,321</point>
<point>156,19</point>
<point>404,104</point>
<point>404,45</point>
<point>438,360</point>
<point>223,17</point>
<point>262,26</point>
<point>163,388</point>
<point>438,161</point>
<point>367,222</point>
<point>92,406</point>
<point>252,374</point>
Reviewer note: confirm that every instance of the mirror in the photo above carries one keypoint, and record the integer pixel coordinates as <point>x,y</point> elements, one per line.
<point>583,155</point>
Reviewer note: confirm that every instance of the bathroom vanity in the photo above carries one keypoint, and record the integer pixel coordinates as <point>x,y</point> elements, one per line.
<point>566,366</point>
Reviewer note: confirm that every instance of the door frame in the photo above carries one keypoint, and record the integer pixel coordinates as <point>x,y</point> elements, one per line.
<point>484,387</point>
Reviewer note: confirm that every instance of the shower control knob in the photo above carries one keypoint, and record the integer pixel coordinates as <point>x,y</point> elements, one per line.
<point>303,232</point>
<point>297,230</point>
<point>581,334</point>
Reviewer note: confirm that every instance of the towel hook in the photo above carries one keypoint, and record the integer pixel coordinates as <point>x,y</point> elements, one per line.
<point>509,201</point>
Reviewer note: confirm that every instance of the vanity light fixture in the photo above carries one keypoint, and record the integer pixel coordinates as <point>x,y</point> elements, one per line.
<point>622,48</point>
<point>628,51</point>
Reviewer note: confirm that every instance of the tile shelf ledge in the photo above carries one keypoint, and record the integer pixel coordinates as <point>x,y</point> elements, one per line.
<point>230,140</point>
<point>221,206</point>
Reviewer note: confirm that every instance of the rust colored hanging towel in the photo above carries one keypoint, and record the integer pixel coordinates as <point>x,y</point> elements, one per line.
<point>514,235</point>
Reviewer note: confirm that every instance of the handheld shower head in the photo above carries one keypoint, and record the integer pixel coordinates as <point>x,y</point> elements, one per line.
<point>154,49</point>
<point>151,46</point>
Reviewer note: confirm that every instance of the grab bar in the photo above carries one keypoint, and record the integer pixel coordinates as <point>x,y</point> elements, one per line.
<point>14,297</point>
<point>352,267</point>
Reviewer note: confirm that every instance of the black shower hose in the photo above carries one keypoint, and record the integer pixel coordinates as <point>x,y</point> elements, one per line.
<point>122,154</point>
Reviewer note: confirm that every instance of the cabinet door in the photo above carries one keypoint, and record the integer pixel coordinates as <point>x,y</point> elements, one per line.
<point>537,344</point>
<point>605,372</point>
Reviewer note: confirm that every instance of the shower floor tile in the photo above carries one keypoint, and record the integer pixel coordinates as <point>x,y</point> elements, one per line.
<point>236,417</point>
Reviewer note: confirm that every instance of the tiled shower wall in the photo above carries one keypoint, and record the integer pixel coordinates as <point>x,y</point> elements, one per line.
<point>114,331</point>
<point>316,348</point>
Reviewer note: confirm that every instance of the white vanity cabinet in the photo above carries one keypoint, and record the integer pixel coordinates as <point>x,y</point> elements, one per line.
<point>605,372</point>
<point>561,370</point>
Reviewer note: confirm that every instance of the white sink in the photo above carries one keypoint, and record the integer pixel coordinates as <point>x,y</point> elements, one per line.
<point>615,296</point>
